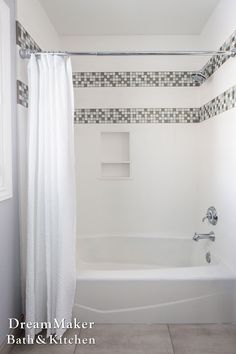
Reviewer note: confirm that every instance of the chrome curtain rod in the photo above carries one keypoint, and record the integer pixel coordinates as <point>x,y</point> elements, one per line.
<point>25,53</point>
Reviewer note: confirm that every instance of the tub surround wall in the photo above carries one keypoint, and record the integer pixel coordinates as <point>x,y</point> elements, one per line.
<point>116,88</point>
<point>139,79</point>
<point>33,31</point>
<point>141,205</point>
<point>153,79</point>
<point>33,17</point>
<point>217,60</point>
<point>181,143</point>
<point>222,103</point>
<point>217,150</point>
<point>220,25</point>
<point>158,199</point>
<point>178,170</point>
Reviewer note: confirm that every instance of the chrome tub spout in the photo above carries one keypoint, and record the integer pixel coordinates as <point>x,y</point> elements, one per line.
<point>210,236</point>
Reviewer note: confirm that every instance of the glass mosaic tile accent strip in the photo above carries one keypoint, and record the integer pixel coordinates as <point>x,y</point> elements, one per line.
<point>219,104</point>
<point>23,38</point>
<point>133,79</point>
<point>217,60</point>
<point>22,93</point>
<point>152,78</point>
<point>136,115</point>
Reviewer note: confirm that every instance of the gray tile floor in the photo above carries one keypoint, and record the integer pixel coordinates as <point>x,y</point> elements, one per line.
<point>146,339</point>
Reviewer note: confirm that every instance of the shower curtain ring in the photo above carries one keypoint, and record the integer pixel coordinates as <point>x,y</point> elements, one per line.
<point>25,53</point>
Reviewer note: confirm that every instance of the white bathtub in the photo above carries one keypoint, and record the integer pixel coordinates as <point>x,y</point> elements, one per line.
<point>151,280</point>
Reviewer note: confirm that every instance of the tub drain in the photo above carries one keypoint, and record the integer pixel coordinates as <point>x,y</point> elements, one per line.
<point>208,257</point>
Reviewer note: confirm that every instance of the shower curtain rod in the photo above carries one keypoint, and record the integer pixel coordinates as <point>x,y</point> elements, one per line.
<point>25,53</point>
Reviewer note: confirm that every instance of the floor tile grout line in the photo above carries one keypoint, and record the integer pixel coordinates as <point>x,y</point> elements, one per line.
<point>168,326</point>
<point>77,343</point>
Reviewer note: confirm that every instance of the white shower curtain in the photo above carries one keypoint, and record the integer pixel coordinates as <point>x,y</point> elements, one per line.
<point>50,263</point>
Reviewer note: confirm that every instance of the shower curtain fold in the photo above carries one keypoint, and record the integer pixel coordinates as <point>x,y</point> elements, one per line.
<point>51,235</point>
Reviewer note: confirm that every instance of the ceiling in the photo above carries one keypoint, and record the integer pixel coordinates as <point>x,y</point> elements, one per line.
<point>128,17</point>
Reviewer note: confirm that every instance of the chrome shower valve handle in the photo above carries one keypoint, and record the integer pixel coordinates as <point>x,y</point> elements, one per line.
<point>205,217</point>
<point>211,216</point>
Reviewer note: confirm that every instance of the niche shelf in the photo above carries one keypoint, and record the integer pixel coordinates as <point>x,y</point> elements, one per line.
<point>115,155</point>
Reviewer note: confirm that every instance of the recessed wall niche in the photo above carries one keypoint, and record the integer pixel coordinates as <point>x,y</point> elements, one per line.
<point>115,155</point>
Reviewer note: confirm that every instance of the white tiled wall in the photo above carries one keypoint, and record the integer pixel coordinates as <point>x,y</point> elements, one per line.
<point>217,143</point>
<point>161,196</point>
<point>175,178</point>
<point>159,199</point>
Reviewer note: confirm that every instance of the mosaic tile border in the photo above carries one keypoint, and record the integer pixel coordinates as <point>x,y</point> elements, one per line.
<point>24,40</point>
<point>153,78</point>
<point>134,79</point>
<point>136,115</point>
<point>219,104</point>
<point>22,93</point>
<point>216,61</point>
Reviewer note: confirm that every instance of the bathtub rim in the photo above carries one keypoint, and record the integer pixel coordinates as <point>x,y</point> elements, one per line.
<point>216,270</point>
<point>209,272</point>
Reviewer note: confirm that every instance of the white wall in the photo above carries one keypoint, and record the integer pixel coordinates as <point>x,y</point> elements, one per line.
<point>161,196</point>
<point>217,176</point>
<point>106,207</point>
<point>36,22</point>
<point>194,177</point>
<point>182,146</point>
<point>159,199</point>
<point>205,152</point>
<point>220,25</point>
<point>217,143</point>
<point>33,17</point>
<point>10,304</point>
<point>135,43</point>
